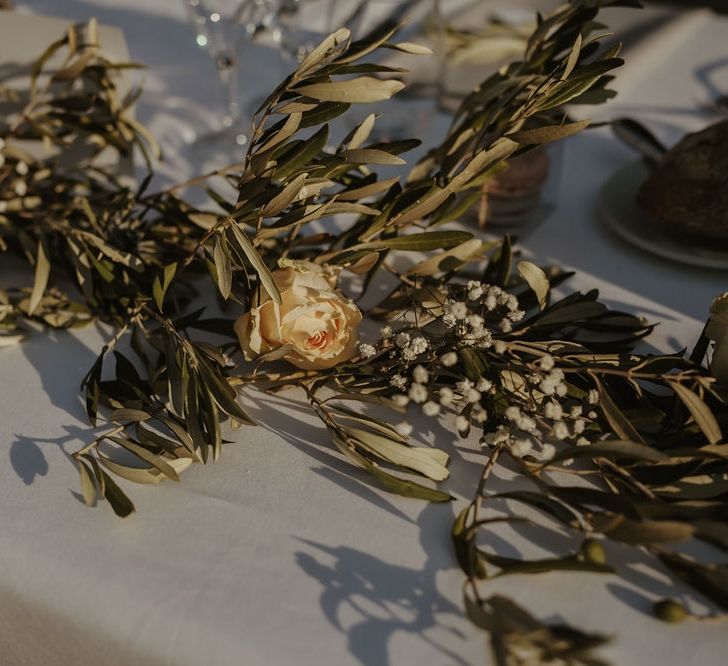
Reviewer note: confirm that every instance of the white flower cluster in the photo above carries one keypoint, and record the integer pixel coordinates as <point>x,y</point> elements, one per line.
<point>408,347</point>
<point>401,346</point>
<point>548,378</point>
<point>523,437</point>
<point>468,317</point>
<point>466,395</point>
<point>418,389</point>
<point>428,377</point>
<point>534,433</point>
<point>472,316</point>
<point>367,351</point>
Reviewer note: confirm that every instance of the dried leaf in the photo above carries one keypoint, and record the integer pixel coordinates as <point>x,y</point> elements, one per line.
<point>536,279</point>
<point>426,461</point>
<point>223,266</point>
<point>40,282</point>
<point>266,277</point>
<point>88,488</point>
<point>549,133</point>
<point>431,240</point>
<point>287,196</point>
<point>120,503</point>
<point>412,49</point>
<point>146,455</point>
<point>700,412</point>
<point>362,132</point>
<point>372,156</point>
<point>361,90</point>
<point>160,286</point>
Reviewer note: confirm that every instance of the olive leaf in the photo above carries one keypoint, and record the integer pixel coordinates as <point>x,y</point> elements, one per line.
<point>536,279</point>
<point>700,412</point>
<point>266,277</point>
<point>161,284</point>
<point>223,266</point>
<point>42,271</point>
<point>549,133</point>
<point>364,89</point>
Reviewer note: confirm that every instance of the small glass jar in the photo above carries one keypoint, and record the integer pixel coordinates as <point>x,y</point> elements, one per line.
<point>521,195</point>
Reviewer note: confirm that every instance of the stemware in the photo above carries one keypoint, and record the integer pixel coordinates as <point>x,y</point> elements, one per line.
<point>290,29</point>
<point>303,23</point>
<point>221,28</point>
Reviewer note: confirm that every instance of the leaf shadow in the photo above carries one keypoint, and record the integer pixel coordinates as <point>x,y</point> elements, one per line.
<point>649,580</point>
<point>551,540</point>
<point>633,598</point>
<point>61,360</point>
<point>278,417</point>
<point>29,461</point>
<point>370,600</point>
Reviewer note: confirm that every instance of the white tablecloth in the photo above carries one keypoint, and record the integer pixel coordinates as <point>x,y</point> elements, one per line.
<point>280,554</point>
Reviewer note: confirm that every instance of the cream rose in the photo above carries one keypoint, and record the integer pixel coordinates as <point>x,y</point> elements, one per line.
<point>314,327</point>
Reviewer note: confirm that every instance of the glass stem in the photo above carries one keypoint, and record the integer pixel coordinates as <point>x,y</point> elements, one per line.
<point>228,70</point>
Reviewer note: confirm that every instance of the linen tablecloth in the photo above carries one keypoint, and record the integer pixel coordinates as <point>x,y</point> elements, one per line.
<point>280,554</point>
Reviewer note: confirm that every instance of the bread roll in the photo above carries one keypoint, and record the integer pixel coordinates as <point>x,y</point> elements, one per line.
<point>688,189</point>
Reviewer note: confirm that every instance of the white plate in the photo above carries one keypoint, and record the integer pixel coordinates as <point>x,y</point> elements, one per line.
<point>619,210</point>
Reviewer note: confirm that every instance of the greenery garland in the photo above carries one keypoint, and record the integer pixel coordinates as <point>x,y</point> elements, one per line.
<point>611,444</point>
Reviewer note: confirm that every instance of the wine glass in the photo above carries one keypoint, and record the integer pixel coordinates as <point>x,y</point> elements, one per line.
<point>222,27</point>
<point>304,23</point>
<point>290,29</point>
